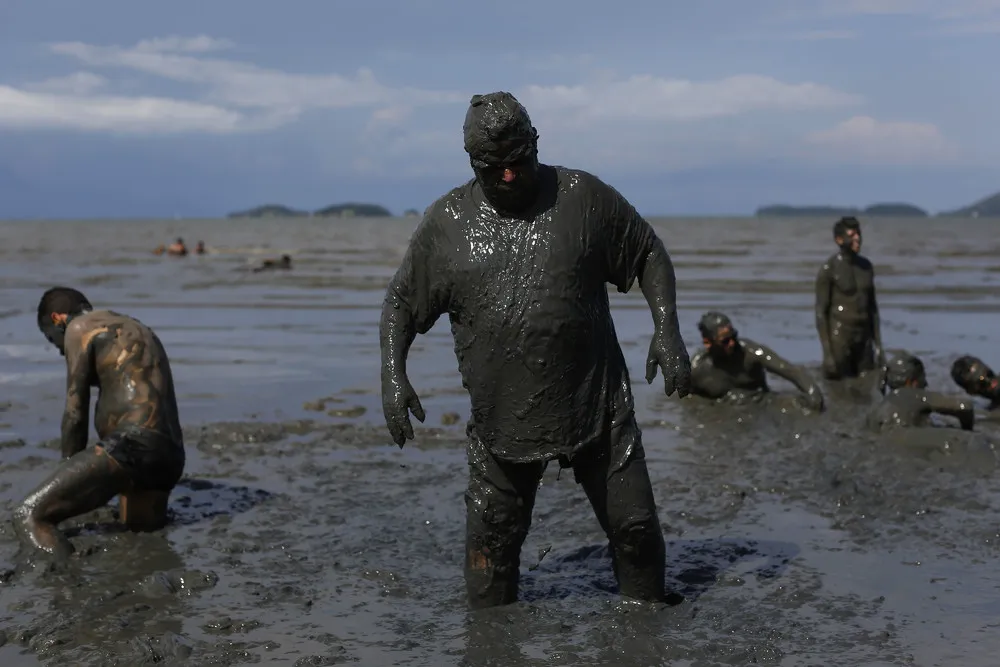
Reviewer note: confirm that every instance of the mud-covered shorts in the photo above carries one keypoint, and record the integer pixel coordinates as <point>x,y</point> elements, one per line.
<point>154,461</point>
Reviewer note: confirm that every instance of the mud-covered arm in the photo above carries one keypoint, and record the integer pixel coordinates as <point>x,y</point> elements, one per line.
<point>876,318</point>
<point>79,373</point>
<point>824,290</point>
<point>636,252</point>
<point>952,406</point>
<point>786,370</point>
<point>706,381</point>
<point>417,296</point>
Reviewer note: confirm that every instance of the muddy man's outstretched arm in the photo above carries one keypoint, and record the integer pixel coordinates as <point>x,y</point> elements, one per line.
<point>952,406</point>
<point>797,375</point>
<point>416,297</point>
<point>79,365</point>
<point>635,251</point>
<point>824,288</point>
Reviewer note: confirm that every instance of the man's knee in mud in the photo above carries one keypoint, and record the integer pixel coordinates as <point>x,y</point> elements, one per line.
<point>496,530</point>
<point>636,535</point>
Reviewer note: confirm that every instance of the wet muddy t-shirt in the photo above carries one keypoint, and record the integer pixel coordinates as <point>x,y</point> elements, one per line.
<point>529,310</point>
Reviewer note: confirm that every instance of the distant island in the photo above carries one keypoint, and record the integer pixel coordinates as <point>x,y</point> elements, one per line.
<point>888,210</point>
<point>346,210</point>
<point>988,207</point>
<point>269,211</point>
<point>410,212</point>
<point>353,210</point>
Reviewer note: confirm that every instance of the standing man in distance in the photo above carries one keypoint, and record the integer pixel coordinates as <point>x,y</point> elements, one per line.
<point>847,315</point>
<point>519,257</point>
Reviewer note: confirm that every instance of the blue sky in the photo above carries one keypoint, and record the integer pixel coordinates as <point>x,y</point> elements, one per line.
<point>123,108</point>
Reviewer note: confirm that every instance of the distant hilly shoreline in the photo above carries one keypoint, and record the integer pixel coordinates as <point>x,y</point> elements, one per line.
<point>988,207</point>
<point>345,210</point>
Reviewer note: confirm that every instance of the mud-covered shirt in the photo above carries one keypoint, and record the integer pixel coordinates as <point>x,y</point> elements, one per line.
<point>528,304</point>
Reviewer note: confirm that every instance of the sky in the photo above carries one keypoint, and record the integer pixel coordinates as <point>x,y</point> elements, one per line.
<point>118,108</point>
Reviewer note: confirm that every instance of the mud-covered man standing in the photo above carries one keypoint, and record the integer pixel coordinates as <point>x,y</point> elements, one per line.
<point>519,258</point>
<point>847,315</point>
<point>140,455</point>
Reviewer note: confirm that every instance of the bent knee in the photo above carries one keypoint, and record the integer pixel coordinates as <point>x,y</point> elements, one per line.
<point>636,532</point>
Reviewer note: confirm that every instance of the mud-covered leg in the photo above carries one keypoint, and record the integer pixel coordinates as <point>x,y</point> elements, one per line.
<point>498,502</point>
<point>143,510</point>
<point>618,487</point>
<point>82,483</point>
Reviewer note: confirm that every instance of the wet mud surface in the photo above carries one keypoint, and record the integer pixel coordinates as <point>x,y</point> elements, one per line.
<point>301,536</point>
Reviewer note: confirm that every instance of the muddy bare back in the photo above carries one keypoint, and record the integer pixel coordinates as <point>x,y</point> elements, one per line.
<point>127,362</point>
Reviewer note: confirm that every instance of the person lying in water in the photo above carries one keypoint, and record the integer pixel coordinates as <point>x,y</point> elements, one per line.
<point>177,248</point>
<point>270,264</point>
<point>910,403</point>
<point>977,379</point>
<point>729,367</point>
<point>140,455</point>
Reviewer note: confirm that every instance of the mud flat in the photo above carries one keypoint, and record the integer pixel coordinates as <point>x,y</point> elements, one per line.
<point>301,536</point>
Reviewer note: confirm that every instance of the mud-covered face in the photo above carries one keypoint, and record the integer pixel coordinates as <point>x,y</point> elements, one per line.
<point>510,185</point>
<point>725,341</point>
<point>979,379</point>
<point>850,241</point>
<point>54,330</point>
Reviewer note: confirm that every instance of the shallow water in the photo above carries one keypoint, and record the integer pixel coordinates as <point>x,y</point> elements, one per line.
<point>303,537</point>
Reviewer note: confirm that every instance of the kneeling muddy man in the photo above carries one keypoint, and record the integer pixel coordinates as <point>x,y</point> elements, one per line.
<point>910,403</point>
<point>977,379</point>
<point>140,455</point>
<point>731,367</point>
<point>519,257</point>
<point>847,315</point>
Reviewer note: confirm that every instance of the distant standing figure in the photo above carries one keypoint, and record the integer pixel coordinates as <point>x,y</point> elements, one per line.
<point>177,248</point>
<point>200,248</point>
<point>140,455</point>
<point>847,315</point>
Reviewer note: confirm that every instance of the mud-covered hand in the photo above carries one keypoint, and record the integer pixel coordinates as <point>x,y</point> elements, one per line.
<point>398,401</point>
<point>667,352</point>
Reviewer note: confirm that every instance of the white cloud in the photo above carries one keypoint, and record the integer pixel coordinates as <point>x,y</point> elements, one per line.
<point>246,85</point>
<point>147,115</point>
<point>626,119</point>
<point>650,98</point>
<point>79,83</point>
<point>866,140</point>
<point>175,44</point>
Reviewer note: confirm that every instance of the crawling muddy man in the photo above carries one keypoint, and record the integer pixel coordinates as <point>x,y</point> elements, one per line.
<point>140,455</point>
<point>736,369</point>
<point>847,315</point>
<point>977,379</point>
<point>910,403</point>
<point>519,258</point>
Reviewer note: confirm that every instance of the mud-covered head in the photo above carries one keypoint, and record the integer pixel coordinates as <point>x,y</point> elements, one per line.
<point>905,370</point>
<point>56,309</point>
<point>503,150</point>
<point>847,234</point>
<point>718,333</point>
<point>974,376</point>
